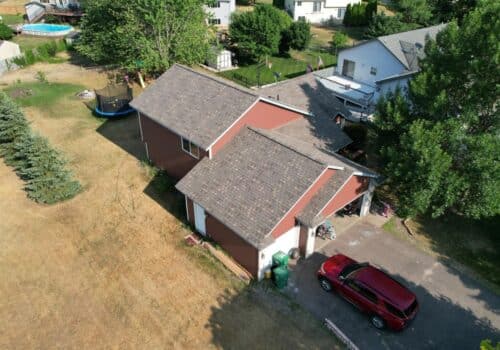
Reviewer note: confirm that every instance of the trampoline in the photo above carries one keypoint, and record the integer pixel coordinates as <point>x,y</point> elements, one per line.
<point>113,101</point>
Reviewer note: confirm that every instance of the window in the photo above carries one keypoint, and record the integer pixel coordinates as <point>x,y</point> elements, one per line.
<point>341,12</point>
<point>368,294</point>
<point>354,285</point>
<point>299,3</point>
<point>348,69</point>
<point>394,311</point>
<point>316,6</point>
<point>215,4</point>
<point>302,18</point>
<point>214,21</point>
<point>189,147</point>
<point>373,71</point>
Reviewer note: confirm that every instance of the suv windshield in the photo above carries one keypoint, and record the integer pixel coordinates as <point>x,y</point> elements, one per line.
<point>349,269</point>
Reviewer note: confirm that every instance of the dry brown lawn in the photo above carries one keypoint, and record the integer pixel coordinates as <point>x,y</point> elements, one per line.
<point>108,268</point>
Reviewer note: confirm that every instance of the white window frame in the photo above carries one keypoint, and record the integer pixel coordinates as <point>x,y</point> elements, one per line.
<point>299,3</point>
<point>214,21</point>
<point>190,150</point>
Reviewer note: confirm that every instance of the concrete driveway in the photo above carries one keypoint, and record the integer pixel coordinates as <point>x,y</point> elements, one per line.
<point>456,312</point>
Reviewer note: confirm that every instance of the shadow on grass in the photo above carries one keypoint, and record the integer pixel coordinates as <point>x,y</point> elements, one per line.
<point>473,243</point>
<point>441,323</point>
<point>260,317</point>
<point>125,133</point>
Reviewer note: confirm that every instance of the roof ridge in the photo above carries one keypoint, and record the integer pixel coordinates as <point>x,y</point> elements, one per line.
<point>407,31</point>
<point>262,133</point>
<point>217,80</point>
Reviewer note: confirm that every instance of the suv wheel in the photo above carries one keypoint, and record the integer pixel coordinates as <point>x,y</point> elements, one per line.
<point>377,322</point>
<point>325,284</point>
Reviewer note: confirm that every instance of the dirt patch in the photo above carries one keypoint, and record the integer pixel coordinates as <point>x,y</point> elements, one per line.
<point>20,93</point>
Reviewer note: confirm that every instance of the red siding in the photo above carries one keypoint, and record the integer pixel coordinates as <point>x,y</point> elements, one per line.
<point>241,251</point>
<point>289,220</point>
<point>351,190</point>
<point>164,149</point>
<point>262,115</point>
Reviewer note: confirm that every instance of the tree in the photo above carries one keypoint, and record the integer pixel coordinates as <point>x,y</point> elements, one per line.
<point>151,34</point>
<point>279,4</point>
<point>12,125</point>
<point>297,36</point>
<point>5,32</point>
<point>381,24</point>
<point>446,10</point>
<point>258,33</point>
<point>443,152</point>
<point>415,11</point>
<point>339,41</point>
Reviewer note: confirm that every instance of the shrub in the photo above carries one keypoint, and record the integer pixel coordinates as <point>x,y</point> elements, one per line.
<point>385,25</point>
<point>29,57</point>
<point>41,77</point>
<point>339,41</point>
<point>300,35</point>
<point>5,32</point>
<point>35,161</point>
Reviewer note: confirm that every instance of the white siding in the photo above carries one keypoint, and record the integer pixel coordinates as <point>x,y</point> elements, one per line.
<point>285,242</point>
<point>329,9</point>
<point>372,54</point>
<point>385,87</point>
<point>223,12</point>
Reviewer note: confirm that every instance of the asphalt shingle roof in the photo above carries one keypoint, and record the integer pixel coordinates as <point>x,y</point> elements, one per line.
<point>310,215</point>
<point>194,105</point>
<point>407,46</point>
<point>308,94</point>
<point>251,184</point>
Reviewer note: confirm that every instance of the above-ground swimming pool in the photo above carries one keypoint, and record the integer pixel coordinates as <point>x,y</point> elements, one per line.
<point>44,29</point>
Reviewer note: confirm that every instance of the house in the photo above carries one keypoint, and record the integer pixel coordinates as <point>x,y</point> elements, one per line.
<point>318,11</point>
<point>63,9</point>
<point>8,51</point>
<point>257,173</point>
<point>187,115</point>
<point>371,69</point>
<point>63,4</point>
<point>220,12</point>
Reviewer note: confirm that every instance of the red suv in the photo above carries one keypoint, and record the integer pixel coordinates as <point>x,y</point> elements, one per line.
<point>388,302</point>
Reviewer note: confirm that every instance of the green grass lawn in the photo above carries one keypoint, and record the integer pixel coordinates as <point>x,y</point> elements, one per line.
<point>472,243</point>
<point>30,42</point>
<point>12,19</point>
<point>287,67</point>
<point>44,95</point>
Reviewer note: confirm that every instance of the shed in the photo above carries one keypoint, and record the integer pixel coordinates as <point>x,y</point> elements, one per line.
<point>220,60</point>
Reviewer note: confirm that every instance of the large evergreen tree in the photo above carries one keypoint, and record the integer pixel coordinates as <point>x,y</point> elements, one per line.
<point>443,152</point>
<point>151,34</point>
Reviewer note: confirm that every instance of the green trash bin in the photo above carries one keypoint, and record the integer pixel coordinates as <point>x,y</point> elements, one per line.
<point>280,259</point>
<point>280,275</point>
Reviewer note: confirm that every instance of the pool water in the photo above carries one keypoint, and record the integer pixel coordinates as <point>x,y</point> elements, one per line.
<point>46,29</point>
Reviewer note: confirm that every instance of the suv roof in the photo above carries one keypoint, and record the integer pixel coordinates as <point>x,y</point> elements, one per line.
<point>386,286</point>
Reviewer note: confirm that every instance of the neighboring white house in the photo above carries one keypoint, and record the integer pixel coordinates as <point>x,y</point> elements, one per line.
<point>369,70</point>
<point>8,51</point>
<point>317,11</point>
<point>60,3</point>
<point>221,11</point>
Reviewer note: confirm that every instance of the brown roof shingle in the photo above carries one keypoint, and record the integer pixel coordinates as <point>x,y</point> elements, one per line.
<point>251,184</point>
<point>196,106</point>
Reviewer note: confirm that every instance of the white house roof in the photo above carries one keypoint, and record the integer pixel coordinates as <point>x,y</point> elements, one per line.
<point>407,47</point>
